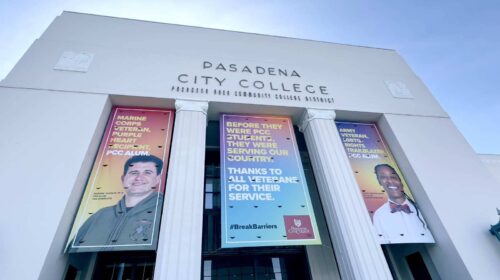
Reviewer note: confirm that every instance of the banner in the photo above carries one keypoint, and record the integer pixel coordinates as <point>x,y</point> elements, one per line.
<point>265,198</point>
<point>121,207</point>
<point>395,214</point>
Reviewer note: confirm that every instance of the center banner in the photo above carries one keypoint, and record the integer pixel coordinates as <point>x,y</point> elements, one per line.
<point>265,198</point>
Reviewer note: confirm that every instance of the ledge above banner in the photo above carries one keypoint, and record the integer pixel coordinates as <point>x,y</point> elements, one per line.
<point>265,198</point>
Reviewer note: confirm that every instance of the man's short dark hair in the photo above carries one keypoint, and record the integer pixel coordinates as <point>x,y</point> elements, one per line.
<point>157,161</point>
<point>378,166</point>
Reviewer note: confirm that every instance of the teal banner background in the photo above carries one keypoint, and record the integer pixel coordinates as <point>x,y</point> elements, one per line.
<point>264,195</point>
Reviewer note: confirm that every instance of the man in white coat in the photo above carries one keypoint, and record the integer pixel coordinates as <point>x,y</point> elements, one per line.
<point>399,219</point>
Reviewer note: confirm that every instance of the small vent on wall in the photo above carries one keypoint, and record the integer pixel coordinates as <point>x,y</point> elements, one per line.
<point>74,61</point>
<point>399,89</point>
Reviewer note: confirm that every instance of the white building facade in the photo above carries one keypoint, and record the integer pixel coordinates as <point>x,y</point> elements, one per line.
<point>57,100</point>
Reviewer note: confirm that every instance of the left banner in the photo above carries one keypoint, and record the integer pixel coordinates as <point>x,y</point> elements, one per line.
<point>121,207</point>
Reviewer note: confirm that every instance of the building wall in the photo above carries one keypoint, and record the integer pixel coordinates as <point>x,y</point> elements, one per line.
<point>492,163</point>
<point>48,144</point>
<point>53,121</point>
<point>457,195</point>
<point>137,58</point>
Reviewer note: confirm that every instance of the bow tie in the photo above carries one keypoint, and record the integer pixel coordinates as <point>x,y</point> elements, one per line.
<point>396,208</point>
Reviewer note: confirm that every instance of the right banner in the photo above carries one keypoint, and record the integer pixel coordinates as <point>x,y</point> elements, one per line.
<point>395,214</point>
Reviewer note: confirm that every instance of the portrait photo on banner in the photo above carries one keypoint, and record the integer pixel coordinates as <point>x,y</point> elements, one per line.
<point>121,206</point>
<point>395,213</point>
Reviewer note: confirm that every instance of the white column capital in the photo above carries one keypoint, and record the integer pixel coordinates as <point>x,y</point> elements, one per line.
<point>191,105</point>
<point>314,114</point>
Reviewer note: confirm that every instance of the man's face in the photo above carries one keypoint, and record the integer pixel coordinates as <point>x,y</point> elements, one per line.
<point>388,179</point>
<point>140,179</point>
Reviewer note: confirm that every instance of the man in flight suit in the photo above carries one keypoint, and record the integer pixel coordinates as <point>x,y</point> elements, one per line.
<point>131,224</point>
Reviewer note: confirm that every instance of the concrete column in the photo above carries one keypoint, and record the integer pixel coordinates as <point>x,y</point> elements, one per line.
<point>359,256</point>
<point>179,245</point>
<point>321,258</point>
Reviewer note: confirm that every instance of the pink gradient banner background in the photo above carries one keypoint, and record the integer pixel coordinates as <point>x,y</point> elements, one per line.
<point>122,139</point>
<point>365,157</point>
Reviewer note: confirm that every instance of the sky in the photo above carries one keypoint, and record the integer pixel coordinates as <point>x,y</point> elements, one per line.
<point>452,45</point>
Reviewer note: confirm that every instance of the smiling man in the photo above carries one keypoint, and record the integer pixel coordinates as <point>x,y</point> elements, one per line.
<point>398,220</point>
<point>132,222</point>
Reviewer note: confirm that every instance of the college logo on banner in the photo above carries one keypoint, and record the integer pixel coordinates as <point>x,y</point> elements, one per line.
<point>121,207</point>
<point>265,198</point>
<point>298,227</point>
<point>395,214</point>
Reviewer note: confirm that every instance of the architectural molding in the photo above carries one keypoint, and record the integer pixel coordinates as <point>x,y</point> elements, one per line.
<point>314,114</point>
<point>191,105</point>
